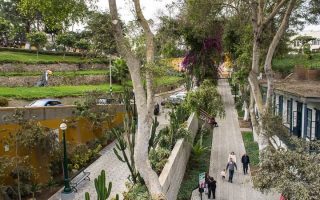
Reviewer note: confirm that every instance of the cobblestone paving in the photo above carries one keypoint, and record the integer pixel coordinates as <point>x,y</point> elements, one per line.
<point>227,138</point>
<point>116,171</point>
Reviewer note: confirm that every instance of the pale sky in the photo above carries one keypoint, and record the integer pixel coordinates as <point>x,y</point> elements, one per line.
<point>152,9</point>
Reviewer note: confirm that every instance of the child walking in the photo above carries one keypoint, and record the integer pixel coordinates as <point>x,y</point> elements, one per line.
<point>223,174</point>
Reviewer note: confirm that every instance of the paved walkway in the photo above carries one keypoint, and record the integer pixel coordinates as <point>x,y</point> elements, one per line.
<point>227,138</point>
<point>116,171</point>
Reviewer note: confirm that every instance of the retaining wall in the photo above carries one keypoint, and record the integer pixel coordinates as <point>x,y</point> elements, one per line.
<point>48,113</point>
<point>18,67</point>
<point>30,81</point>
<point>173,172</point>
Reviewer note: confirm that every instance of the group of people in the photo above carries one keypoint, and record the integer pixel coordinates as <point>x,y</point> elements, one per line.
<point>231,167</point>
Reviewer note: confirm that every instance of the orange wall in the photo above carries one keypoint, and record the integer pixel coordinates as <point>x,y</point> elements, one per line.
<point>78,131</point>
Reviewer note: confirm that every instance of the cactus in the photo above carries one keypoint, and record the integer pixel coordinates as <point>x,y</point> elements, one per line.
<point>87,196</point>
<point>122,144</point>
<point>153,138</point>
<point>100,184</point>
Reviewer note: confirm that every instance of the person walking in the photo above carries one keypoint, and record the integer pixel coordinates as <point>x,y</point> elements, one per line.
<point>233,156</point>
<point>231,165</point>
<point>245,162</point>
<point>212,188</point>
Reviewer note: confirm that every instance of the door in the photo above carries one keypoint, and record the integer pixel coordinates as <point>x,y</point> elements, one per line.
<point>317,125</point>
<point>298,127</point>
<point>299,119</point>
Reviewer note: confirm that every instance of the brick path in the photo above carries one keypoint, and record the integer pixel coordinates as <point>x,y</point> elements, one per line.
<point>116,171</point>
<point>227,138</point>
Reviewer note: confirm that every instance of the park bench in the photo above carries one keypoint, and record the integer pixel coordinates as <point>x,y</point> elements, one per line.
<point>207,118</point>
<point>82,175</point>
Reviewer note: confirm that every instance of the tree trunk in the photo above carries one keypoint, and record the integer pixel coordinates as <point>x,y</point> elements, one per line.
<point>256,101</point>
<point>246,111</point>
<point>144,115</point>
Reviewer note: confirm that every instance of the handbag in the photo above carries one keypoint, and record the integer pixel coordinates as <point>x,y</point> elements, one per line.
<point>206,189</point>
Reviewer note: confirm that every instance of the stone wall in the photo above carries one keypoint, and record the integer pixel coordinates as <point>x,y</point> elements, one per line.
<point>173,172</point>
<point>18,67</point>
<point>29,81</point>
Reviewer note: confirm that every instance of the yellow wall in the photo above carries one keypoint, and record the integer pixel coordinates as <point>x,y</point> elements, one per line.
<point>78,131</point>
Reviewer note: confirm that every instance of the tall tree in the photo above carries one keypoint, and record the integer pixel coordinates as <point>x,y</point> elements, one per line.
<point>144,102</point>
<point>262,15</point>
<point>99,28</point>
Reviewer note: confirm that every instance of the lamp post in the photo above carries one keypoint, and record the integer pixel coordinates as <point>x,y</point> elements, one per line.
<point>67,189</point>
<point>110,76</point>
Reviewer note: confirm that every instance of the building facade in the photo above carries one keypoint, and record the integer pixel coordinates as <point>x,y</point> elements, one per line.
<point>314,44</point>
<point>299,108</point>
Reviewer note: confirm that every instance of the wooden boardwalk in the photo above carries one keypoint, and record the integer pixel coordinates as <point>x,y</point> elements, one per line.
<point>226,138</point>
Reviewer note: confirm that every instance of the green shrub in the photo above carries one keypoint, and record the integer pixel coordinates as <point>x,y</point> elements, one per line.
<point>4,102</point>
<point>81,155</point>
<point>158,158</point>
<point>136,192</point>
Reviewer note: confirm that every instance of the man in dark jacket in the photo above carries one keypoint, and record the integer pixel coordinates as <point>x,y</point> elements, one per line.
<point>212,188</point>
<point>231,165</point>
<point>245,162</point>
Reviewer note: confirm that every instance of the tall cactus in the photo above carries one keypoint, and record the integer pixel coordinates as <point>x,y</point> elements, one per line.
<point>122,144</point>
<point>100,184</point>
<point>154,138</point>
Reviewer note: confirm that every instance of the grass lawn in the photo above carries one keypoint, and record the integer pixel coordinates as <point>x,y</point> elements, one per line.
<point>195,166</point>
<point>68,90</point>
<point>31,58</point>
<point>54,91</point>
<point>67,73</point>
<point>287,63</point>
<point>252,149</point>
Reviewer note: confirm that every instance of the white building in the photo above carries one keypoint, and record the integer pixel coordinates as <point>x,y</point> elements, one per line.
<point>298,104</point>
<point>314,44</point>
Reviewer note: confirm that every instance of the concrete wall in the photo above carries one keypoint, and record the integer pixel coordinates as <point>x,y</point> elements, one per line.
<point>17,67</point>
<point>173,172</point>
<point>48,113</point>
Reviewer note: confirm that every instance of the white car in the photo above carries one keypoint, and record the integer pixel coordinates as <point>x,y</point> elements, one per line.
<point>178,97</point>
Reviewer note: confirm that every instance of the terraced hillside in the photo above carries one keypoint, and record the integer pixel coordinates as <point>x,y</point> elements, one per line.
<point>68,79</point>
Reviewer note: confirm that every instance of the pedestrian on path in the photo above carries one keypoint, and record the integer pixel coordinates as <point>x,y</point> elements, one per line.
<point>245,162</point>
<point>231,165</point>
<point>212,188</point>
<point>233,156</point>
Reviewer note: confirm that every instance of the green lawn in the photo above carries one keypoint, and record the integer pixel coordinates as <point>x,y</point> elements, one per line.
<point>63,91</point>
<point>287,63</point>
<point>195,166</point>
<point>54,91</point>
<point>31,58</point>
<point>67,73</point>
<point>252,148</point>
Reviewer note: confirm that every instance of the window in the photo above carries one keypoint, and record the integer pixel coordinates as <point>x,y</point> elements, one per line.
<point>289,112</point>
<point>309,122</point>
<point>280,105</point>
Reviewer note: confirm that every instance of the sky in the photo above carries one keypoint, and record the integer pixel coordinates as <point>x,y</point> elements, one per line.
<point>152,10</point>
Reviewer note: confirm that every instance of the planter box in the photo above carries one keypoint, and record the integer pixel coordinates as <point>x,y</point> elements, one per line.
<point>300,72</point>
<point>173,172</point>
<point>313,74</point>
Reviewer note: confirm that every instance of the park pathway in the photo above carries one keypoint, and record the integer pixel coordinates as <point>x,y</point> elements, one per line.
<point>227,138</point>
<point>117,172</point>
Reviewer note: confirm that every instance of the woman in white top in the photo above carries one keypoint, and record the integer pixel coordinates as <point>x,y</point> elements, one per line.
<point>233,156</point>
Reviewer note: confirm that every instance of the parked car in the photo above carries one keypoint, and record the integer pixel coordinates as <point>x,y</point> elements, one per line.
<point>177,98</point>
<point>45,102</point>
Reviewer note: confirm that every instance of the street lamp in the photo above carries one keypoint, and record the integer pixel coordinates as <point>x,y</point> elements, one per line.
<point>67,189</point>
